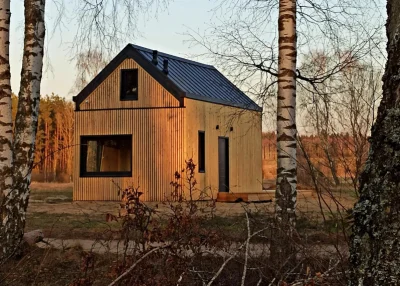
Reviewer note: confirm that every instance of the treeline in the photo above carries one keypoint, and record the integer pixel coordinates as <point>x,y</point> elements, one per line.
<point>54,139</point>
<point>337,157</point>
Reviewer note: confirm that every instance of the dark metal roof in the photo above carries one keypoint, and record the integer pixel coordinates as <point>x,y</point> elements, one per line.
<point>186,78</point>
<point>200,81</point>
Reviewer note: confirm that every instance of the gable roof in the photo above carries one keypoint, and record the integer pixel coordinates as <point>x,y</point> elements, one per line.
<point>185,78</point>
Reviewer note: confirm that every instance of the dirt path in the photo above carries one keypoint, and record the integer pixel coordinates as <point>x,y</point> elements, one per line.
<point>117,246</point>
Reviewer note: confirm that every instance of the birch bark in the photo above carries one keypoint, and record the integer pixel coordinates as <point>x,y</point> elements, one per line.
<point>5,104</point>
<point>286,131</point>
<point>15,204</point>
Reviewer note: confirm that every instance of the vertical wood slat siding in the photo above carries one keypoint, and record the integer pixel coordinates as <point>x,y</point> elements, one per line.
<point>245,156</point>
<point>157,144</point>
<point>107,94</point>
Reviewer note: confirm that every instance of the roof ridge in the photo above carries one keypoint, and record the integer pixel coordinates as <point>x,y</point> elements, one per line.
<point>173,57</point>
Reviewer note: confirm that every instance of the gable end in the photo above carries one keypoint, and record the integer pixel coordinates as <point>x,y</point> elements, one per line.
<point>130,53</point>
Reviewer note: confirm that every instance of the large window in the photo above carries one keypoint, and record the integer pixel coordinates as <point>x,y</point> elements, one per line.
<point>129,84</point>
<point>106,156</point>
<point>202,151</point>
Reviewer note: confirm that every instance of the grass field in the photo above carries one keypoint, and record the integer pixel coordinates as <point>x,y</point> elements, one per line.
<point>87,220</point>
<point>41,191</point>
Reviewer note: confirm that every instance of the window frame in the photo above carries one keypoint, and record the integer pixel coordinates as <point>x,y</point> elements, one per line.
<point>83,157</point>
<point>201,153</point>
<point>121,84</point>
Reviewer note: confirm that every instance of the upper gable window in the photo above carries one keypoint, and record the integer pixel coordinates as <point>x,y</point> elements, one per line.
<point>129,84</point>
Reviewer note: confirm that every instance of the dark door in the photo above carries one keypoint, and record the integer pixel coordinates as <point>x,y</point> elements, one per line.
<point>223,164</point>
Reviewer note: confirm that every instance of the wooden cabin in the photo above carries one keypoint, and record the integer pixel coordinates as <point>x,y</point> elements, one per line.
<point>147,112</point>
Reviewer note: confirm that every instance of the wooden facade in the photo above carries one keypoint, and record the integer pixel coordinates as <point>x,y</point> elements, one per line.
<point>165,134</point>
<point>245,170</point>
<point>106,95</point>
<point>157,150</point>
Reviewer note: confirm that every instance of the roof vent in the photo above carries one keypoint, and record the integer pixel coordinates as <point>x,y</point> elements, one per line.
<point>165,69</point>
<point>155,57</point>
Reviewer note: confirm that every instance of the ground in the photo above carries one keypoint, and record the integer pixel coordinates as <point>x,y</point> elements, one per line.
<point>51,208</point>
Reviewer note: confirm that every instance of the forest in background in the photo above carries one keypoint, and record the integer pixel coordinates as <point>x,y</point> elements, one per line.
<point>335,159</point>
<point>54,139</point>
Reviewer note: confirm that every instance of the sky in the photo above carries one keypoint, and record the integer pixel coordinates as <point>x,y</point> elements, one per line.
<point>166,33</point>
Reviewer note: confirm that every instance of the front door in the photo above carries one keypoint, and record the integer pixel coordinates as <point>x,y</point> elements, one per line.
<point>223,164</point>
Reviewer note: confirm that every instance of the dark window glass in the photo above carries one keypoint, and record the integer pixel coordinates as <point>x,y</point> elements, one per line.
<point>103,156</point>
<point>129,84</point>
<point>202,151</point>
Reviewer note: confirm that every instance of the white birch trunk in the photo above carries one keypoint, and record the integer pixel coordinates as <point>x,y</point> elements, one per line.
<point>5,104</point>
<point>25,125</point>
<point>286,181</point>
<point>6,179</point>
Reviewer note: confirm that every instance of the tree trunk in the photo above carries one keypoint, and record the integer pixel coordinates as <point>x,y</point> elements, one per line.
<point>375,245</point>
<point>56,149</point>
<point>6,179</point>
<point>46,148</point>
<point>331,159</point>
<point>286,133</point>
<point>25,126</point>
<point>5,102</point>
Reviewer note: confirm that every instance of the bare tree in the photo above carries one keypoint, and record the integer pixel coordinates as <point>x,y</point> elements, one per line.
<point>244,46</point>
<point>103,25</point>
<point>244,42</point>
<point>340,112</point>
<point>319,110</point>
<point>355,110</point>
<point>375,248</point>
<point>88,65</point>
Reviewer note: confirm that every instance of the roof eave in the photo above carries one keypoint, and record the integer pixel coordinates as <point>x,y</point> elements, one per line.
<point>253,107</point>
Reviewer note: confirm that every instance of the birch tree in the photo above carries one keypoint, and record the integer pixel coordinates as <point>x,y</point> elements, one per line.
<point>5,102</point>
<point>244,47</point>
<point>286,131</point>
<point>15,201</point>
<point>375,246</point>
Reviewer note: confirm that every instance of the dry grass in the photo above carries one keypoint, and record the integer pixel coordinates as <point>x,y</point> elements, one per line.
<point>54,267</point>
<point>49,187</point>
<point>87,220</point>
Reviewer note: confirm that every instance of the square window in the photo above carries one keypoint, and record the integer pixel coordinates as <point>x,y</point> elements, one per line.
<point>106,156</point>
<point>129,84</point>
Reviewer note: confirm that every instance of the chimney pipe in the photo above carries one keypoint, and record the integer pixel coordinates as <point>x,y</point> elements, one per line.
<point>165,69</point>
<point>155,57</point>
